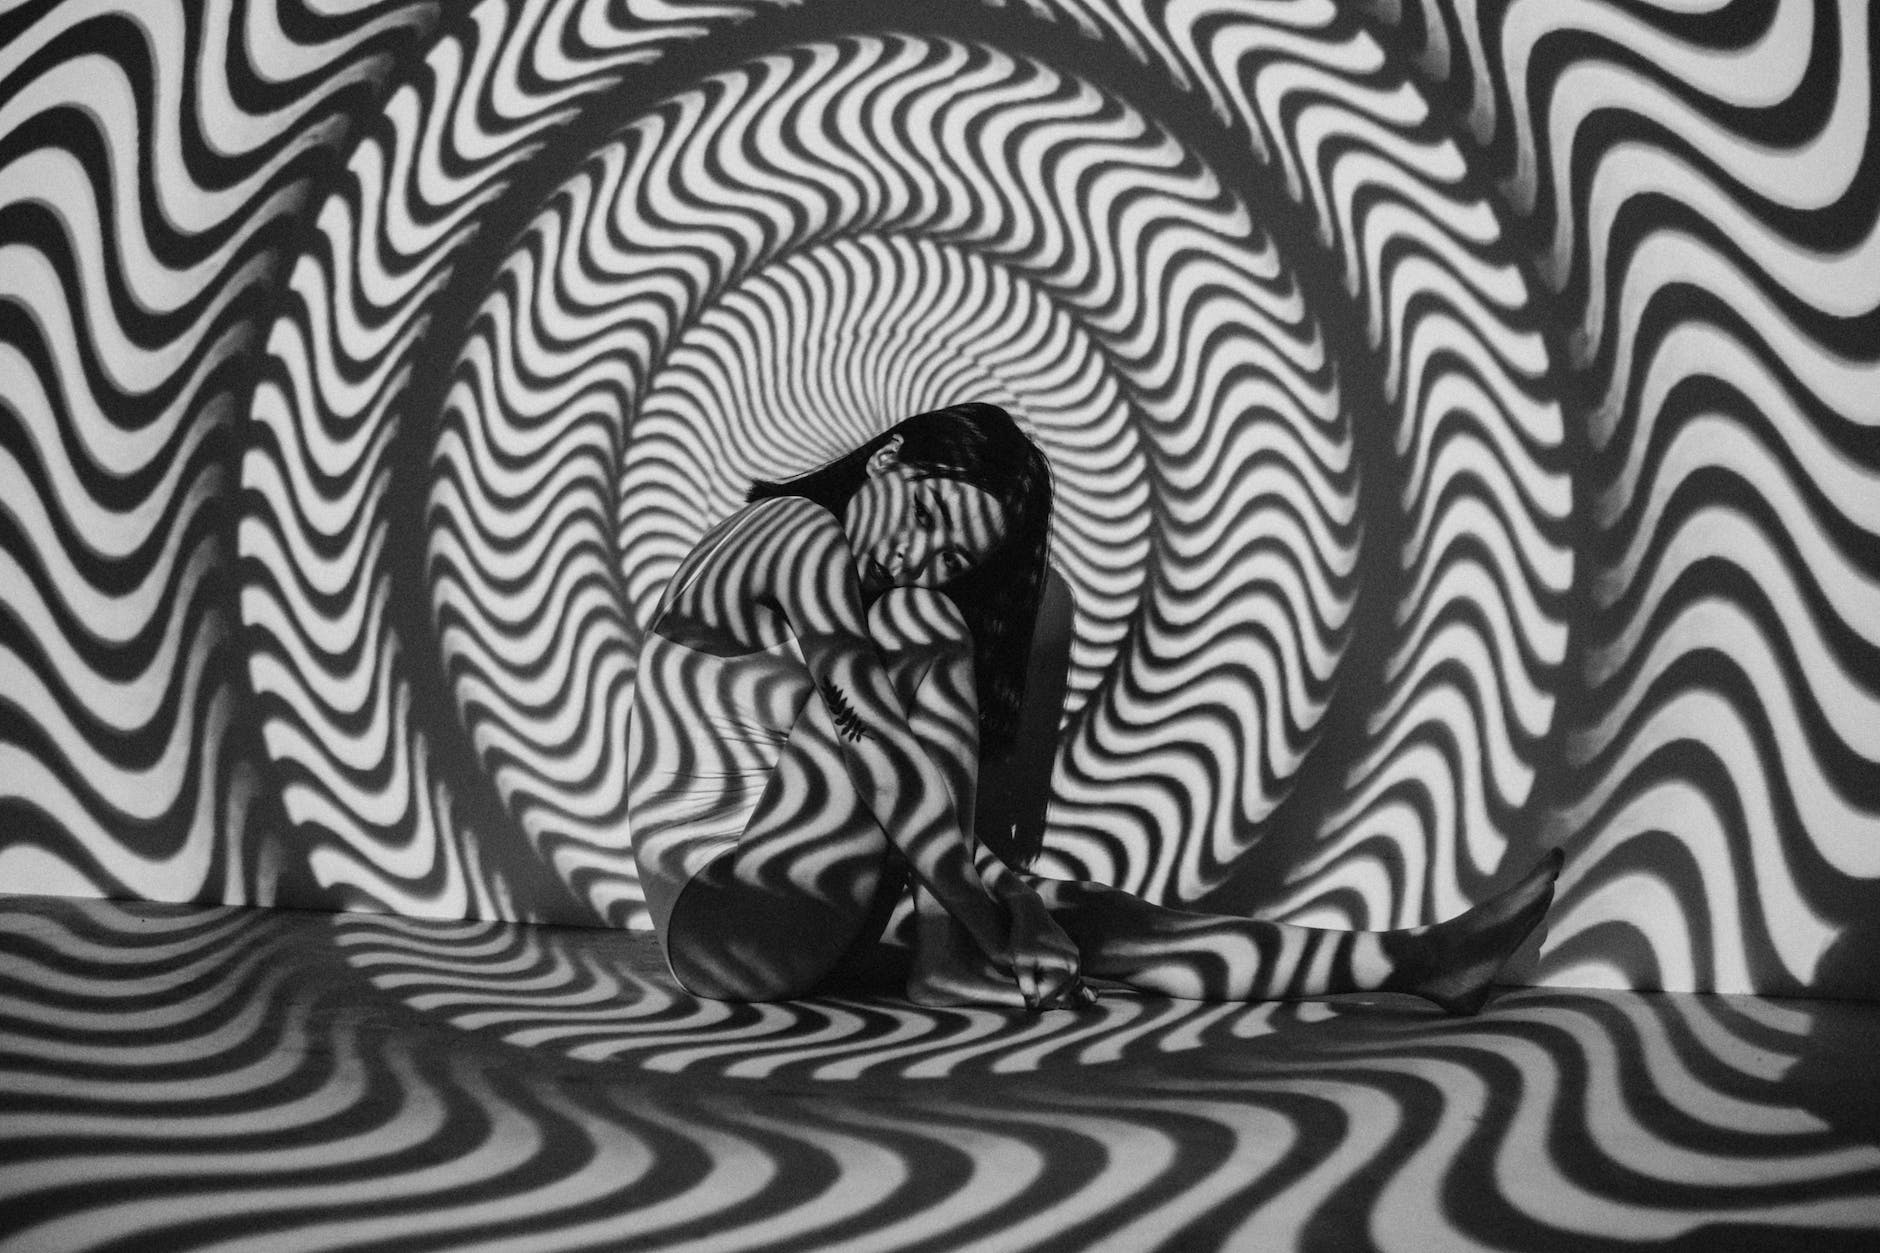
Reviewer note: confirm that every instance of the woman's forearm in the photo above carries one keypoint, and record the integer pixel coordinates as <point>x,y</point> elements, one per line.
<point>955,883</point>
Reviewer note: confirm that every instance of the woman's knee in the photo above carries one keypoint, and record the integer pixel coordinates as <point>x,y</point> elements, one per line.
<point>905,619</point>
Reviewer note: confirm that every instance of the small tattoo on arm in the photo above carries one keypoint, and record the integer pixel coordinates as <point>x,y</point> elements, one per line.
<point>847,721</point>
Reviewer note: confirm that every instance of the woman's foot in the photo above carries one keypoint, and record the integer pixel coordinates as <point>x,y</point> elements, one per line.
<point>1455,962</point>
<point>948,970</point>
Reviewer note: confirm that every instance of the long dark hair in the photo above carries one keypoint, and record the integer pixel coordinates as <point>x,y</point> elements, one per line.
<point>978,444</point>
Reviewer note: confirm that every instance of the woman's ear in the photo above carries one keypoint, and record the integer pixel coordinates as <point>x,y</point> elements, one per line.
<point>885,458</point>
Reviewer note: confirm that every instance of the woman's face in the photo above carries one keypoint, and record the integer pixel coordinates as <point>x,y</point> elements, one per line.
<point>909,531</point>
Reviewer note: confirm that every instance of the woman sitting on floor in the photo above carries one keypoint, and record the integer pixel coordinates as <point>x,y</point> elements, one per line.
<point>813,698</point>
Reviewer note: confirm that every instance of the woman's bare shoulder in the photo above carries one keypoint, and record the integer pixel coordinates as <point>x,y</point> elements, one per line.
<point>789,530</point>
<point>760,555</point>
<point>787,511</point>
<point>760,524</point>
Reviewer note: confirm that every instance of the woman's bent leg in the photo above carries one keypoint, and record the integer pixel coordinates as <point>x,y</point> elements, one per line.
<point>935,679</point>
<point>813,875</point>
<point>1216,957</point>
<point>772,914</point>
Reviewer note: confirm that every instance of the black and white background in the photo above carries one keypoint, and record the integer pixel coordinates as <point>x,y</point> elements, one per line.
<point>1464,414</point>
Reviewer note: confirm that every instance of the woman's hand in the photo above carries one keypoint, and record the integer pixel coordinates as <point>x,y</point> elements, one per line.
<point>1044,961</point>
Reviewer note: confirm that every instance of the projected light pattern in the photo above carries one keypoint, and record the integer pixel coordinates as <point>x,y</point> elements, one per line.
<point>340,462</point>
<point>204,1078</point>
<point>143,223</point>
<point>782,366</point>
<point>1735,606</point>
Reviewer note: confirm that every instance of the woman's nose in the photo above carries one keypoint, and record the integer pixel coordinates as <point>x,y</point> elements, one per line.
<point>915,551</point>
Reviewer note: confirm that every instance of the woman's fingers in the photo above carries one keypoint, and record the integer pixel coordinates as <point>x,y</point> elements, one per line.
<point>1032,983</point>
<point>1045,962</point>
<point>1027,971</point>
<point>1073,994</point>
<point>1049,984</point>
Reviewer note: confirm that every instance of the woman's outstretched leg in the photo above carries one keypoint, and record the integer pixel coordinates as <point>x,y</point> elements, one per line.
<point>1126,939</point>
<point>1215,957</point>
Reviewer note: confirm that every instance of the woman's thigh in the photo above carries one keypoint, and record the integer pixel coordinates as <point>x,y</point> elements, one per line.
<point>813,873</point>
<point>773,914</point>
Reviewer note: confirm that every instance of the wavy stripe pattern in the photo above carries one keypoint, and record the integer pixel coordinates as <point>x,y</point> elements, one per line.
<point>1449,748</point>
<point>148,188</point>
<point>365,369</point>
<point>678,290</point>
<point>1576,548</point>
<point>361,784</point>
<point>210,1078</point>
<point>1702,179</point>
<point>1732,648</point>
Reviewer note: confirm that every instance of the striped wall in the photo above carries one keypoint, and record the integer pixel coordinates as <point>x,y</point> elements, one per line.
<point>1464,417</point>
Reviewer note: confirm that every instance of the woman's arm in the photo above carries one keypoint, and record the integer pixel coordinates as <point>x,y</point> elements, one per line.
<point>803,569</point>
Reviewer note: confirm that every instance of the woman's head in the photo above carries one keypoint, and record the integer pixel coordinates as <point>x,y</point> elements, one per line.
<point>959,499</point>
<point>909,528</point>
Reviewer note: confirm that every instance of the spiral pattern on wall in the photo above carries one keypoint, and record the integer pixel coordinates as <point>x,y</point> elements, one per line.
<point>678,291</point>
<point>1465,418</point>
<point>1200,356</point>
<point>336,481</point>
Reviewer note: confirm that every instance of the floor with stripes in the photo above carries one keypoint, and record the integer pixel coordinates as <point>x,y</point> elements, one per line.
<point>182,1077</point>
